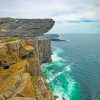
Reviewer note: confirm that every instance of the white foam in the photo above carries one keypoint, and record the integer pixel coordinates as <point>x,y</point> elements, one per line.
<point>59,92</point>
<point>55,57</point>
<point>59,73</point>
<point>52,78</point>
<point>57,50</point>
<point>68,68</point>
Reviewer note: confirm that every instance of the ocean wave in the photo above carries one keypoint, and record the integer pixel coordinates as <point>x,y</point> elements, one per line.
<point>59,76</point>
<point>57,51</point>
<point>55,57</point>
<point>68,68</point>
<point>60,94</point>
<point>51,79</point>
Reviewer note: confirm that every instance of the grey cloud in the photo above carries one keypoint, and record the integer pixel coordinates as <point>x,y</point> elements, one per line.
<point>85,20</point>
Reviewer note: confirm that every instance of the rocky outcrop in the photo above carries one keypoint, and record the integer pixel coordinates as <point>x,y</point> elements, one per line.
<point>20,57</point>
<point>24,27</point>
<point>23,78</point>
<point>44,45</point>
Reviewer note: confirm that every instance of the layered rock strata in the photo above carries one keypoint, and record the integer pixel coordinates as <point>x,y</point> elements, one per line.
<point>24,77</point>
<point>24,27</point>
<point>20,57</point>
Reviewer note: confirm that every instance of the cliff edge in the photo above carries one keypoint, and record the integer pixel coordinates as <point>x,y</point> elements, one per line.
<point>20,75</point>
<point>24,27</point>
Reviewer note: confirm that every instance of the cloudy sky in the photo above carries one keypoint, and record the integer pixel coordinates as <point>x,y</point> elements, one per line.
<point>71,16</point>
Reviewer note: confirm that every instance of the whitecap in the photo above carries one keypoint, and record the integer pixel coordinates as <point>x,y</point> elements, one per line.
<point>55,57</point>
<point>52,78</point>
<point>59,92</point>
<point>68,68</point>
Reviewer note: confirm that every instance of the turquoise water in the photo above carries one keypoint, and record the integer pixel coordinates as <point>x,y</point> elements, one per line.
<point>60,77</point>
<point>75,69</point>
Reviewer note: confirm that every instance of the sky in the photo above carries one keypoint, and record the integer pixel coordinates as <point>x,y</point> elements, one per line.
<point>71,16</point>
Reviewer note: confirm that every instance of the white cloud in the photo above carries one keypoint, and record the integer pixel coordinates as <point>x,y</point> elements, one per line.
<point>59,10</point>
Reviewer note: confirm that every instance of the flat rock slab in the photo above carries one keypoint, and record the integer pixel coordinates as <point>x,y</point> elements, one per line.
<point>24,27</point>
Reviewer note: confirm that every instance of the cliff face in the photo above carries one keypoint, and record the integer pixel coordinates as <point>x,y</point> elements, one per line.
<point>24,27</point>
<point>20,75</point>
<point>44,46</point>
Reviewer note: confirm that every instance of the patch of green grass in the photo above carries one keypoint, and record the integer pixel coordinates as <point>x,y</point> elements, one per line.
<point>9,39</point>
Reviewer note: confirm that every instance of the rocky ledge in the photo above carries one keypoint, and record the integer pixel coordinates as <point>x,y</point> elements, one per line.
<point>20,75</point>
<point>24,27</point>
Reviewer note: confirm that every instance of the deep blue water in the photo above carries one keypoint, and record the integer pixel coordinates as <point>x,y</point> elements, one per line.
<point>74,72</point>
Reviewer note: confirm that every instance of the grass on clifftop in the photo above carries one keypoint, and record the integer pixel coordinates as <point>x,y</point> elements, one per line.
<point>9,39</point>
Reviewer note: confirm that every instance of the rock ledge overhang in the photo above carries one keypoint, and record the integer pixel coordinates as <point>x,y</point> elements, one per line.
<point>25,27</point>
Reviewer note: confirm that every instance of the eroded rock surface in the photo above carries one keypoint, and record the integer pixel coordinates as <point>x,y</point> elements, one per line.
<point>20,57</point>
<point>23,78</point>
<point>24,27</point>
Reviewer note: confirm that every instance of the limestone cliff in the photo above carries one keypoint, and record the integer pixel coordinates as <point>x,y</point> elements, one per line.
<point>20,75</point>
<point>24,27</point>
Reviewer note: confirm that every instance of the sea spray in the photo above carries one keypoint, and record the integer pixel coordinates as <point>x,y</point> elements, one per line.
<point>60,78</point>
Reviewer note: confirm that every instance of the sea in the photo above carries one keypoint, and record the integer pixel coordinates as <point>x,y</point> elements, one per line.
<point>74,73</point>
